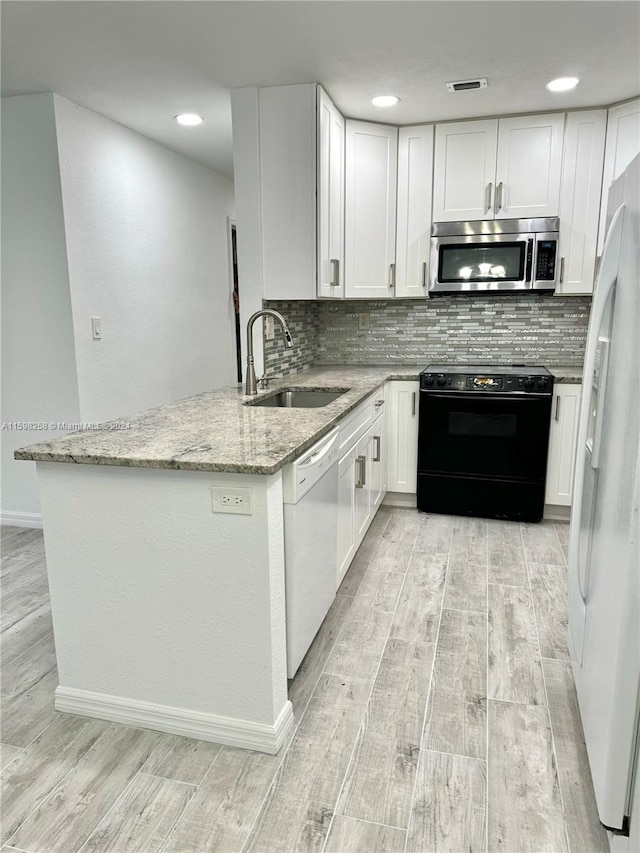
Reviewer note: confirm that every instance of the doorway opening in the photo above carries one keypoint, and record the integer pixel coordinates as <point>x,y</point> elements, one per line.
<point>235,293</point>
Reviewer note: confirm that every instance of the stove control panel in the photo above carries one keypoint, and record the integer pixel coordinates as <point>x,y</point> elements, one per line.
<point>487,383</point>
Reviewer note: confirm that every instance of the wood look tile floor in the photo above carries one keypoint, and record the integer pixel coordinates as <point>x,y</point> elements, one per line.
<point>435,711</point>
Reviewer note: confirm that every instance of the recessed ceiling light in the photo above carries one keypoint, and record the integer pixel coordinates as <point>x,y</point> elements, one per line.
<point>384,101</point>
<point>562,84</point>
<point>189,119</point>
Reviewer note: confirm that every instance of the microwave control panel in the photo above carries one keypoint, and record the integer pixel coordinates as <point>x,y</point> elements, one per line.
<point>546,260</point>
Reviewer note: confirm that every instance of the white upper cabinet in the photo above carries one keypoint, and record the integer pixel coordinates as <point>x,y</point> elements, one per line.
<point>580,200</point>
<point>301,151</point>
<point>330,198</point>
<point>498,169</point>
<point>413,227</point>
<point>623,143</point>
<point>370,209</point>
<point>464,170</point>
<point>529,166</point>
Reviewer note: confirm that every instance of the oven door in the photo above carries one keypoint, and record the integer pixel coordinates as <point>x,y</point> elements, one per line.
<point>476,263</point>
<point>484,435</point>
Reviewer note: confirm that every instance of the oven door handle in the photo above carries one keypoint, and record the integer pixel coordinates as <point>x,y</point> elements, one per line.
<point>486,395</point>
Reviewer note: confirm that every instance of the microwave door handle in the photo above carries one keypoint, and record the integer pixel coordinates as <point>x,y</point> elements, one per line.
<point>531,262</point>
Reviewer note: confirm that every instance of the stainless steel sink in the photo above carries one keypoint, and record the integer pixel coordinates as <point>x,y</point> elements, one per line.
<point>309,398</point>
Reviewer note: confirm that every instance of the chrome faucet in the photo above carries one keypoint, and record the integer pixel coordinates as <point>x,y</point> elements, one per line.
<point>251,387</point>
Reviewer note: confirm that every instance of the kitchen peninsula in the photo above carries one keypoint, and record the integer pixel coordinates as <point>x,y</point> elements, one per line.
<point>167,615</point>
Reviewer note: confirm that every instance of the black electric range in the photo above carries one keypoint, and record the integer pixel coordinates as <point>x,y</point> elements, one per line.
<point>483,439</point>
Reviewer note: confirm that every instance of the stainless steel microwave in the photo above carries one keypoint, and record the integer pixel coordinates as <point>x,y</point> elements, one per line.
<point>494,255</point>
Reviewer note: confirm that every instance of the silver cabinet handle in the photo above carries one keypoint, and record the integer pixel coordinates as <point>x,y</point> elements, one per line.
<point>424,273</point>
<point>413,403</point>
<point>499,188</point>
<point>376,457</point>
<point>487,196</point>
<point>378,403</point>
<point>361,481</point>
<point>561,270</point>
<point>335,272</point>
<point>556,417</point>
<point>392,275</point>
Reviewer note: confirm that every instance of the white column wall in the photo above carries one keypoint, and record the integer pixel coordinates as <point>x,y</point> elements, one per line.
<point>39,380</point>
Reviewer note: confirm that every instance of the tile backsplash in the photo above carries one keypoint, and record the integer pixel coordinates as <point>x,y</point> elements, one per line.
<point>549,330</point>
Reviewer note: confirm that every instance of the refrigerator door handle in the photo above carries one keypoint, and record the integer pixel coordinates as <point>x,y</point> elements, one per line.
<point>597,427</point>
<point>607,276</point>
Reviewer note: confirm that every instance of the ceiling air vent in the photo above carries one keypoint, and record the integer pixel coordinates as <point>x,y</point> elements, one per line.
<point>464,85</point>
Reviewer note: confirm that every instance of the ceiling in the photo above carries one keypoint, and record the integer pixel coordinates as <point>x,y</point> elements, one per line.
<point>140,63</point>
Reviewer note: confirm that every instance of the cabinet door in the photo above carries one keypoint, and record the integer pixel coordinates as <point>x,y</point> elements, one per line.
<point>623,143</point>
<point>378,462</point>
<point>370,209</point>
<point>415,190</point>
<point>562,444</point>
<point>529,166</point>
<point>363,508</point>
<point>464,170</point>
<point>580,199</point>
<point>402,436</point>
<point>330,198</point>
<point>347,541</point>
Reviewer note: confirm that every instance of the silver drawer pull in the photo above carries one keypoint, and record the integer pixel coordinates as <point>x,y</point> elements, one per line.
<point>378,403</point>
<point>376,457</point>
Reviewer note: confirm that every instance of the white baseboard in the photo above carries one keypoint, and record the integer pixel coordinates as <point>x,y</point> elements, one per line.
<point>400,499</point>
<point>21,519</point>
<point>177,721</point>
<point>555,512</point>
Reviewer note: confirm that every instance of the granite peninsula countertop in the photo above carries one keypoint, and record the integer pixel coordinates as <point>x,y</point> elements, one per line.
<point>217,431</point>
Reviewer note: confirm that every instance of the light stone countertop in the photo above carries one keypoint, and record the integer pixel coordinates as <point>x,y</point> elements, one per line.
<point>216,431</point>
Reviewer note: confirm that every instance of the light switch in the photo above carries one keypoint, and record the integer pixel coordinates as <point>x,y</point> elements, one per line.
<point>96,329</point>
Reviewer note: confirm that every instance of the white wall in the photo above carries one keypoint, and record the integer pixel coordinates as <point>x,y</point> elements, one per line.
<point>147,253</point>
<point>38,359</point>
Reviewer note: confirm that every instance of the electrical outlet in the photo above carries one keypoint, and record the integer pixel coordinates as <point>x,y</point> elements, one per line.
<point>269,329</point>
<point>236,501</point>
<point>363,321</point>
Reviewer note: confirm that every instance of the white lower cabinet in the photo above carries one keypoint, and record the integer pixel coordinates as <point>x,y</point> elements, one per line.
<point>346,512</point>
<point>402,436</point>
<point>378,461</point>
<point>562,444</point>
<point>361,479</point>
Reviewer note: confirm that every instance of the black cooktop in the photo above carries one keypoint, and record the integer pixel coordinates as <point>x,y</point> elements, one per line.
<point>489,369</point>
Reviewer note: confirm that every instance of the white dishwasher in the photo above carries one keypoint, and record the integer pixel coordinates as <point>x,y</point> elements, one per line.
<point>310,491</point>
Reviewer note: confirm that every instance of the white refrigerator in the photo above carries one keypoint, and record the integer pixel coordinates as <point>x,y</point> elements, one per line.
<point>604,547</point>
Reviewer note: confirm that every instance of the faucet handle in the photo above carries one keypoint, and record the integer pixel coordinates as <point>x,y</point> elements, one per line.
<point>264,381</point>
